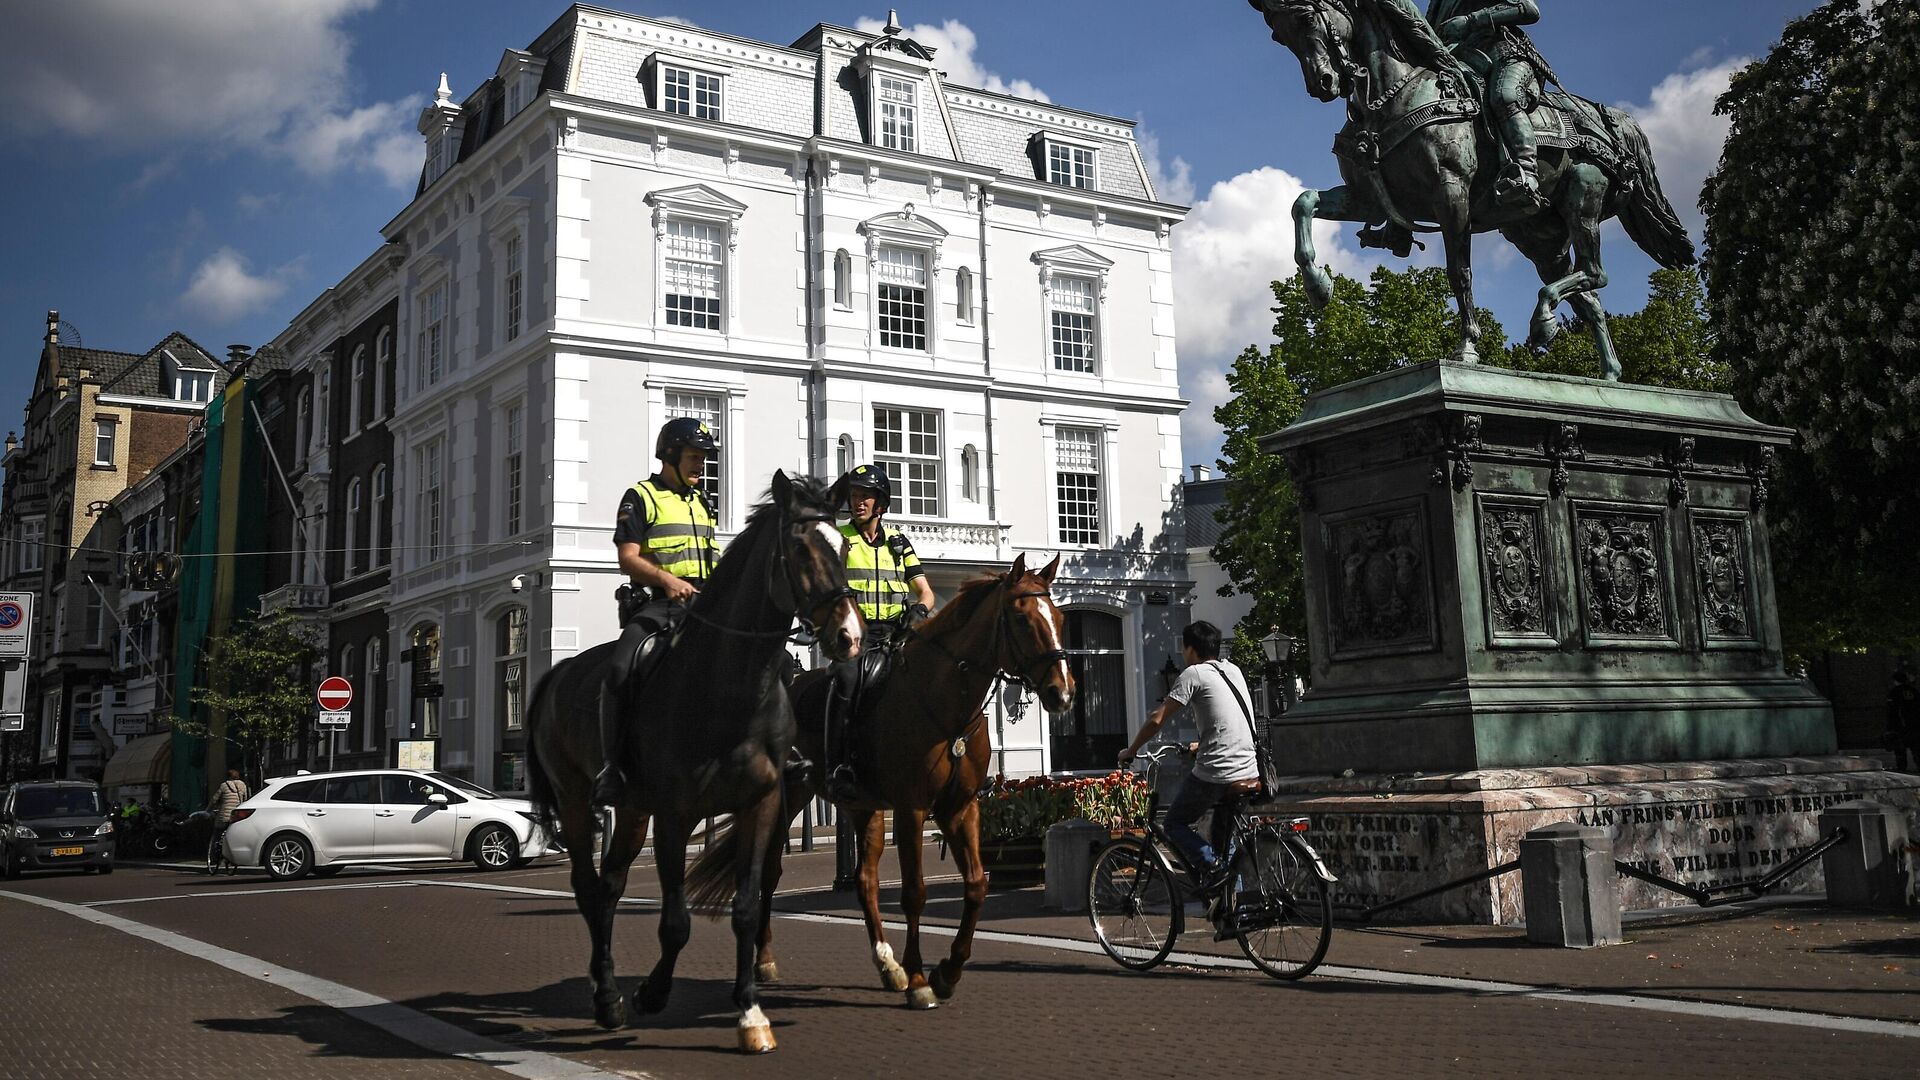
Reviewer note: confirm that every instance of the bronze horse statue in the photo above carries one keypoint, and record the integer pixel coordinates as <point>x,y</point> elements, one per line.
<point>925,749</point>
<point>709,737</point>
<point>1415,157</point>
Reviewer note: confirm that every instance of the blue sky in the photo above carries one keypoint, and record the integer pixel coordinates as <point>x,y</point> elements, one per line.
<point>211,165</point>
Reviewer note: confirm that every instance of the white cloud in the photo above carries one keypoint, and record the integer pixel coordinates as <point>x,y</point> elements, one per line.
<point>954,42</point>
<point>377,137</point>
<point>130,74</point>
<point>1234,244</point>
<point>224,288</point>
<point>1686,136</point>
<point>1172,180</point>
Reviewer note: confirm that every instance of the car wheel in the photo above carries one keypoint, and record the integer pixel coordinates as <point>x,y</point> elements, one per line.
<point>327,871</point>
<point>495,849</point>
<point>287,858</point>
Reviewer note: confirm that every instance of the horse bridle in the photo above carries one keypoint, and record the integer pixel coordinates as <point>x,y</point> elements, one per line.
<point>1003,635</point>
<point>801,607</point>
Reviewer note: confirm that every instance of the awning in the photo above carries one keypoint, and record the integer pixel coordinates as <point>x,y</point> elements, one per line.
<point>145,760</point>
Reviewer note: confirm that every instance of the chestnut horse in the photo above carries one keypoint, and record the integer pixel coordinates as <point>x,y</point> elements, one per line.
<point>924,749</point>
<point>708,735</point>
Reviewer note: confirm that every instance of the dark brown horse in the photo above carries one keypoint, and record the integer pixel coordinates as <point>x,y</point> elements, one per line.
<point>709,736</point>
<point>924,748</point>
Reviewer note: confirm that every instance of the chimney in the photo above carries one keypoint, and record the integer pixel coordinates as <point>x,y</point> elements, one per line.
<point>53,327</point>
<point>237,357</point>
<point>1201,474</point>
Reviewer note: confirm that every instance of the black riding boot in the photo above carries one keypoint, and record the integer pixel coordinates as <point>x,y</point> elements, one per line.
<point>609,787</point>
<point>1519,182</point>
<point>843,783</point>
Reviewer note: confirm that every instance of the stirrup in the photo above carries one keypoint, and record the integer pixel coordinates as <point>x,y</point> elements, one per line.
<point>843,784</point>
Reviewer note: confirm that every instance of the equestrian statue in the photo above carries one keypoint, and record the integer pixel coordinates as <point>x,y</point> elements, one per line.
<point>1451,128</point>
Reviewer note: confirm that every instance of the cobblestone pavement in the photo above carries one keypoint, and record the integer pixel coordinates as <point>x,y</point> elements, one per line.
<point>503,956</point>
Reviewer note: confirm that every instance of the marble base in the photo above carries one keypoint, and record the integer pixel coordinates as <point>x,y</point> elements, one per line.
<point>1697,822</point>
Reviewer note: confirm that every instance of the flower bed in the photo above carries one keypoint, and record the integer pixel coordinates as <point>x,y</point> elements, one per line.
<point>1022,810</point>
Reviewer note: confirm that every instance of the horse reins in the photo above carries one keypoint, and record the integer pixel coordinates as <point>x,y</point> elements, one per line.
<point>807,631</point>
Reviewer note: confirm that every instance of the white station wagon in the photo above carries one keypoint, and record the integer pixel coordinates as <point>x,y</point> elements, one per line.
<point>322,822</point>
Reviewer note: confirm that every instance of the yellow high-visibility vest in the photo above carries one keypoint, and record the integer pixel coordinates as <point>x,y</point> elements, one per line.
<point>878,577</point>
<point>680,530</point>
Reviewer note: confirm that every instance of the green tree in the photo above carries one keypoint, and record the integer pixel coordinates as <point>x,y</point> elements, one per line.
<point>1814,287</point>
<point>1396,319</point>
<point>258,678</point>
<point>1670,342</point>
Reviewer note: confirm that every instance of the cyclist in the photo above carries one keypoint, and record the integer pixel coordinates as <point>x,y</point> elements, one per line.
<point>1224,761</point>
<point>231,793</point>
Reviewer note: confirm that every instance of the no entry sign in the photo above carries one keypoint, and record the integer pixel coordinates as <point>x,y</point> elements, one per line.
<point>335,694</point>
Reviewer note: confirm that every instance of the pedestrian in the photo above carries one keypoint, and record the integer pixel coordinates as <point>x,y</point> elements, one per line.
<point>1903,717</point>
<point>228,797</point>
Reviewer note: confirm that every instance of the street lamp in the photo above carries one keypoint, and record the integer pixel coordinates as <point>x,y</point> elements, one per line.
<point>1278,649</point>
<point>1169,674</point>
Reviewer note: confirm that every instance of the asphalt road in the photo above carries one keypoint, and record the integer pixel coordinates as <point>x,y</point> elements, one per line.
<point>153,972</point>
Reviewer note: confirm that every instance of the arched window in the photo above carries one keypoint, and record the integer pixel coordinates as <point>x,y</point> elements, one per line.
<point>376,694</point>
<point>323,404</point>
<point>356,388</point>
<point>380,532</point>
<point>353,562</point>
<point>970,473</point>
<point>1088,735</point>
<point>963,295</point>
<point>424,655</point>
<point>382,372</point>
<point>510,667</point>
<point>844,455</point>
<point>303,425</point>
<point>842,279</point>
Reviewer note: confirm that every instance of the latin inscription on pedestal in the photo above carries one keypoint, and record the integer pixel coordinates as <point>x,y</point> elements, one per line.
<point>1379,592</point>
<point>1512,538</point>
<point>1721,557</point>
<point>1623,576</point>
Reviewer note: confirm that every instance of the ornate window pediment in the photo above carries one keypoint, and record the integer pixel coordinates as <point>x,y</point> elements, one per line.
<point>904,227</point>
<point>1074,259</point>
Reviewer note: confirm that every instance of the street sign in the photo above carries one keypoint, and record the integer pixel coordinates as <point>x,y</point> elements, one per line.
<point>16,624</point>
<point>335,693</point>
<point>336,719</point>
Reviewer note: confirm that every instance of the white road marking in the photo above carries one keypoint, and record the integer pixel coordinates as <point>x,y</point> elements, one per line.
<point>418,1028</point>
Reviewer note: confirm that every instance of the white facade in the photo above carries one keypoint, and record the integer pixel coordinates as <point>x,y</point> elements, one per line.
<point>592,262</point>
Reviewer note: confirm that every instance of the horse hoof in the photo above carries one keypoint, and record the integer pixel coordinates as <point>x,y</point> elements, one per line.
<point>942,989</point>
<point>611,1015</point>
<point>756,1035</point>
<point>1543,333</point>
<point>922,997</point>
<point>893,978</point>
<point>1318,285</point>
<point>768,972</point>
<point>647,1001</point>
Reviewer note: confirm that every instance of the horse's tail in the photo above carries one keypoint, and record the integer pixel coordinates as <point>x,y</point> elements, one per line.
<point>1645,212</point>
<point>546,808</point>
<point>710,880</point>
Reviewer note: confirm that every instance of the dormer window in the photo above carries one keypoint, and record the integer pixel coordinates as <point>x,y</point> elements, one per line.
<point>687,87</point>
<point>193,386</point>
<point>899,112</point>
<point>1067,162</point>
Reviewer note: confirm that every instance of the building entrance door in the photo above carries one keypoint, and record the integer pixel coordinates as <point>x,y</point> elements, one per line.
<point>1091,734</point>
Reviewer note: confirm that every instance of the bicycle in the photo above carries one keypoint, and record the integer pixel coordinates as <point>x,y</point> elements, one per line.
<point>1275,902</point>
<point>217,852</point>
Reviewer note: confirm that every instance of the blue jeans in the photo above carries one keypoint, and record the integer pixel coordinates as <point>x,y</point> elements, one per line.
<point>1195,797</point>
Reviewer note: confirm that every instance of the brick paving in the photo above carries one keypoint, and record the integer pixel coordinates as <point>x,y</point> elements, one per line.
<point>512,967</point>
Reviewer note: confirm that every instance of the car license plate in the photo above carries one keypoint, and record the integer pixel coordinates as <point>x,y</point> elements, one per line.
<point>69,851</point>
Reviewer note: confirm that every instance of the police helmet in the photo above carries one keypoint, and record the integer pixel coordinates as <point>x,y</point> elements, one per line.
<point>679,433</point>
<point>874,479</point>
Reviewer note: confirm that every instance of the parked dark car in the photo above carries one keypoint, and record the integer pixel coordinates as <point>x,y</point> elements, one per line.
<point>55,825</point>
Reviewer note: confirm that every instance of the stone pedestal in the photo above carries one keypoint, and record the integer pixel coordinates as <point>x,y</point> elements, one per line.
<point>1566,879</point>
<point>1698,822</point>
<point>1514,570</point>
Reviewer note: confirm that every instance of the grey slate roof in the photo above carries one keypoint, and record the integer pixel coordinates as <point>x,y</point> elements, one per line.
<point>1204,498</point>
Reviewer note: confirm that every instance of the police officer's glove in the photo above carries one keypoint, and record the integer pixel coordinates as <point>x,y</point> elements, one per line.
<point>917,614</point>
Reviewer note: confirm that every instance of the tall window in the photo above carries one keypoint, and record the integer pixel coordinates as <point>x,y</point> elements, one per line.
<point>963,295</point>
<point>842,279</point>
<point>323,405</point>
<point>970,473</point>
<point>431,356</point>
<point>906,443</point>
<point>707,407</point>
<point>356,386</point>
<point>354,549</point>
<point>901,293</point>
<point>1077,482</point>
<point>104,436</point>
<point>379,530</point>
<point>843,455</point>
<point>899,114</point>
<point>514,300</point>
<point>95,627</point>
<point>1074,331</point>
<point>429,523</point>
<point>426,678</point>
<point>512,467</point>
<point>1069,165</point>
<point>376,694</point>
<point>690,93</point>
<point>345,670</point>
<point>303,424</point>
<point>382,372</point>
<point>33,541</point>
<point>693,273</point>
<point>510,667</point>
<point>1088,735</point>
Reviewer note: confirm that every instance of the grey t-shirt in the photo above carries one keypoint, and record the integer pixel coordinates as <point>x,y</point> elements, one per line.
<point>1226,734</point>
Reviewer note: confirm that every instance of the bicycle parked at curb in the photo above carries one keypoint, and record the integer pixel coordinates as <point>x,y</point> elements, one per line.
<point>1274,902</point>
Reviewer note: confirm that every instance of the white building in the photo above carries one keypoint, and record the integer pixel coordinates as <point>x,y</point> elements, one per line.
<point>830,254</point>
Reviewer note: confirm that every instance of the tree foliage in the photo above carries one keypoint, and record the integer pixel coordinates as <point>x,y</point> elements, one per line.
<point>1395,319</point>
<point>1813,281</point>
<point>258,677</point>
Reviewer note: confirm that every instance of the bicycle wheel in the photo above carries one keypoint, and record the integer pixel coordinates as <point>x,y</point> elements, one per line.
<point>1283,916</point>
<point>1134,903</point>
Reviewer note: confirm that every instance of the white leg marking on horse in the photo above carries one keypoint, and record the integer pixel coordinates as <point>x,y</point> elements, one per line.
<point>753,1018</point>
<point>882,955</point>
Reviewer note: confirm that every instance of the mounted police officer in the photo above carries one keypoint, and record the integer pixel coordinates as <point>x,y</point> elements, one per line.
<point>664,534</point>
<point>892,590</point>
<point>1485,36</point>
